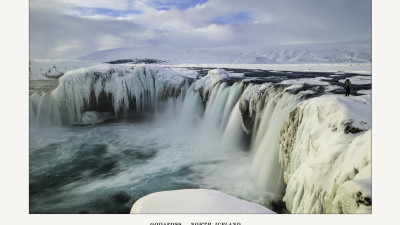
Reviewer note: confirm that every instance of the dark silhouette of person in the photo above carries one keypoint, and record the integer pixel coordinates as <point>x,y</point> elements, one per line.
<point>347,85</point>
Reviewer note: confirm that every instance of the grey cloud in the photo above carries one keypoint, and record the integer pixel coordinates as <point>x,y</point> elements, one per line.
<point>49,30</point>
<point>54,34</point>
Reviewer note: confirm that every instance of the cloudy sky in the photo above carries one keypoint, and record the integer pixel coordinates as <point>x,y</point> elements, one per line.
<point>73,28</point>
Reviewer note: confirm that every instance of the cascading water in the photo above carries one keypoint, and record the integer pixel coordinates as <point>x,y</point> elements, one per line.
<point>219,107</point>
<point>43,111</point>
<point>234,133</point>
<point>234,94</point>
<point>266,166</point>
<point>192,109</point>
<point>215,106</point>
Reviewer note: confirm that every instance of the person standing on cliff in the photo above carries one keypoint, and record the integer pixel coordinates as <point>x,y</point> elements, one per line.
<point>347,85</point>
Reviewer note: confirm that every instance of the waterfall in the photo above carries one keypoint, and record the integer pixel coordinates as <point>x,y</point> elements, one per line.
<point>192,108</point>
<point>215,106</point>
<point>262,109</point>
<point>43,111</point>
<point>231,104</point>
<point>226,110</point>
<point>266,166</point>
<point>234,133</point>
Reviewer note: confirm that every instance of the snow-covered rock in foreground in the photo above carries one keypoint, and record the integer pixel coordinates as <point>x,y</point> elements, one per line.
<point>195,201</point>
<point>355,195</point>
<point>325,152</point>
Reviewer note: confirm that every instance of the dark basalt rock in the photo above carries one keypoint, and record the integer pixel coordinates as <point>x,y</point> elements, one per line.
<point>248,121</point>
<point>349,128</point>
<point>136,61</point>
<point>361,199</point>
<point>104,103</point>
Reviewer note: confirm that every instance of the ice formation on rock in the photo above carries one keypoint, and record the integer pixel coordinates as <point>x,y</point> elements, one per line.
<point>114,88</point>
<point>320,159</point>
<point>206,84</point>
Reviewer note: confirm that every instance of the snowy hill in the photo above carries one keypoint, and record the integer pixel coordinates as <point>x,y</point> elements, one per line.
<point>338,52</point>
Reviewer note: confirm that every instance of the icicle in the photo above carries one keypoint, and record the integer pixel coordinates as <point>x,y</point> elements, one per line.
<point>87,89</point>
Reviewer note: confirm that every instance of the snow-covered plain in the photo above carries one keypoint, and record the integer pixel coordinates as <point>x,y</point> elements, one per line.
<point>362,68</point>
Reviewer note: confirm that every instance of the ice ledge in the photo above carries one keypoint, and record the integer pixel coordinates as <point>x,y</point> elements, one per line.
<point>195,201</point>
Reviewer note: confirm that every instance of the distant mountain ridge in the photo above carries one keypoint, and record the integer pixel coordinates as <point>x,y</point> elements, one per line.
<point>336,52</point>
